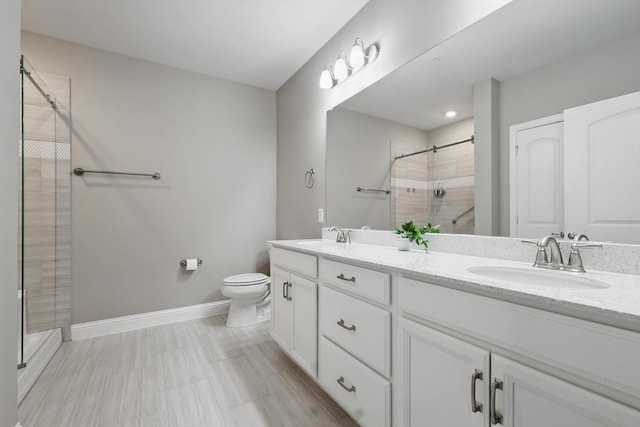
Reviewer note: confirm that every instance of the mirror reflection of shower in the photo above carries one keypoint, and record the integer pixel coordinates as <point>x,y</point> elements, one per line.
<point>44,246</point>
<point>435,183</point>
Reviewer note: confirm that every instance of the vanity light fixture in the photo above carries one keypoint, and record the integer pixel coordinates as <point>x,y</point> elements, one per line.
<point>343,67</point>
<point>358,58</point>
<point>451,113</point>
<point>327,80</point>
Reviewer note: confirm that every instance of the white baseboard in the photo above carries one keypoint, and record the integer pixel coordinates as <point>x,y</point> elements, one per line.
<point>27,377</point>
<point>146,320</point>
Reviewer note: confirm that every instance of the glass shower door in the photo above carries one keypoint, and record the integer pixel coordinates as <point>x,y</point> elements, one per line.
<point>44,217</point>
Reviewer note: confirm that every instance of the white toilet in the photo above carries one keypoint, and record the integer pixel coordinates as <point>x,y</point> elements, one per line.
<point>250,297</point>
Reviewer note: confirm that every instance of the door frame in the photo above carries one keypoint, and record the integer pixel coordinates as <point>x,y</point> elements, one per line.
<point>513,131</point>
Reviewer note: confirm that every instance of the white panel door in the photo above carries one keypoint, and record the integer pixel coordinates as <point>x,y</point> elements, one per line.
<point>530,398</point>
<point>602,172</point>
<point>304,349</point>
<point>438,373</point>
<point>536,178</point>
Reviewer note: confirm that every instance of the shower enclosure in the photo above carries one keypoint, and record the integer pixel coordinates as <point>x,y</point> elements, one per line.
<point>434,184</point>
<point>44,246</point>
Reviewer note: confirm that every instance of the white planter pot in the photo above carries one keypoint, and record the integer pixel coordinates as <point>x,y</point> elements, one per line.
<point>403,244</point>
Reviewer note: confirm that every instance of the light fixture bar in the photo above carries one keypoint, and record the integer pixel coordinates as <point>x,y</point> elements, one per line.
<point>344,67</point>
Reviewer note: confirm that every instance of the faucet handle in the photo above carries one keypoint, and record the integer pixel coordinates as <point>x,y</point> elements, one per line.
<point>575,258</point>
<point>542,259</point>
<point>535,242</point>
<point>585,245</point>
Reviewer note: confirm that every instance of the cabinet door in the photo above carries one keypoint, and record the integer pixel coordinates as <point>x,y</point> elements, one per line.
<point>438,374</point>
<point>282,311</point>
<point>530,398</point>
<point>304,347</point>
<point>601,170</point>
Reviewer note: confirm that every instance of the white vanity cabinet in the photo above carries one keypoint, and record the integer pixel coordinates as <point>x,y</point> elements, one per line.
<point>295,301</point>
<point>355,343</point>
<point>405,348</point>
<point>447,380</point>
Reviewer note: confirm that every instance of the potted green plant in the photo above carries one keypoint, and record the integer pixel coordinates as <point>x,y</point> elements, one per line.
<point>410,233</point>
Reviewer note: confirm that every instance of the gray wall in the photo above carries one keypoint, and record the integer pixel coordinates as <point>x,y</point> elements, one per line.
<point>358,155</point>
<point>403,30</point>
<point>214,143</point>
<point>9,137</point>
<point>599,73</point>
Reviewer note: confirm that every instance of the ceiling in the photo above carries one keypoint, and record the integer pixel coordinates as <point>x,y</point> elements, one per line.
<point>257,42</point>
<point>517,38</point>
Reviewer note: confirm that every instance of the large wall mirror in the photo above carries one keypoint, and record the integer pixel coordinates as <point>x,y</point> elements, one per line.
<point>539,57</point>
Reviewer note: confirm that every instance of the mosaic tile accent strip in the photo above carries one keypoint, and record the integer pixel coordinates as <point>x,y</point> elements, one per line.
<point>45,149</point>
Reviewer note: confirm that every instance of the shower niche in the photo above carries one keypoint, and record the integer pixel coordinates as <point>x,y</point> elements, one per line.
<point>44,245</point>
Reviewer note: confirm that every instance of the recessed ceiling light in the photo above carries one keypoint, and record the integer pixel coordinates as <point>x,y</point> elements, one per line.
<point>436,59</point>
<point>451,113</point>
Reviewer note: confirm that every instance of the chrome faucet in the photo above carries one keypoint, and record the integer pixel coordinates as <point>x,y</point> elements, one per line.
<point>555,261</point>
<point>577,236</point>
<point>343,236</point>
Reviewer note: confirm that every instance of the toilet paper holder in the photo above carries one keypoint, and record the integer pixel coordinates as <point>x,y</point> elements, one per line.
<point>183,263</point>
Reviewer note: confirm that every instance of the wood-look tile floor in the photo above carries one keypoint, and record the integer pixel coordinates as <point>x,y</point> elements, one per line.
<point>193,373</point>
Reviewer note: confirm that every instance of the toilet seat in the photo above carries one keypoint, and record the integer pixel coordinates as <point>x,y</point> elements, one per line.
<point>248,279</point>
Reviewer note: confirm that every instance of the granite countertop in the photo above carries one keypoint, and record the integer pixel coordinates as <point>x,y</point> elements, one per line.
<point>618,304</point>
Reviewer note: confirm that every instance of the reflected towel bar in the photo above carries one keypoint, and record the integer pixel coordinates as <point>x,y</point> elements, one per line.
<point>455,220</point>
<point>80,171</point>
<point>372,190</point>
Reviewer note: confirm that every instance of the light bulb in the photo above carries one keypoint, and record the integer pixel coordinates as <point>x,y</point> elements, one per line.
<point>451,113</point>
<point>356,57</point>
<point>340,68</point>
<point>326,79</point>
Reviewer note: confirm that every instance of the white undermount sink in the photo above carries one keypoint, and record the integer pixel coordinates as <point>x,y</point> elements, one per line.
<point>538,278</point>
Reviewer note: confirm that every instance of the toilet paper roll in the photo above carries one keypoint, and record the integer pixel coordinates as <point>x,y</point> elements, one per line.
<point>192,264</point>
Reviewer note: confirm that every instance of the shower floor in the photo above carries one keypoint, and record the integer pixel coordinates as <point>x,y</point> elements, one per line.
<point>32,343</point>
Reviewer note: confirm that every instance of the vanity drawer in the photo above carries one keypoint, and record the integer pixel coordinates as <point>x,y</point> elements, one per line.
<point>373,285</point>
<point>362,392</point>
<point>359,327</point>
<point>295,261</point>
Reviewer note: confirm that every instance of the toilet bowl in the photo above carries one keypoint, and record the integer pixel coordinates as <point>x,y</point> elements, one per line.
<point>250,297</point>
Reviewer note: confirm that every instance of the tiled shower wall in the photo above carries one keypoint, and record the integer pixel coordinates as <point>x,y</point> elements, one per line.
<point>409,184</point>
<point>47,204</point>
<point>415,178</point>
<point>453,170</point>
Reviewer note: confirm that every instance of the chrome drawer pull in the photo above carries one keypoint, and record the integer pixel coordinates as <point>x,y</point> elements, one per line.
<point>349,389</point>
<point>495,417</point>
<point>475,405</point>
<point>342,277</point>
<point>289,285</point>
<point>348,328</point>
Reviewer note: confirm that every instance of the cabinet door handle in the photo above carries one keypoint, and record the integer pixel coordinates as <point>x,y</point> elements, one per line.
<point>348,328</point>
<point>289,285</point>
<point>349,389</point>
<point>284,290</point>
<point>495,417</point>
<point>475,405</point>
<point>342,277</point>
